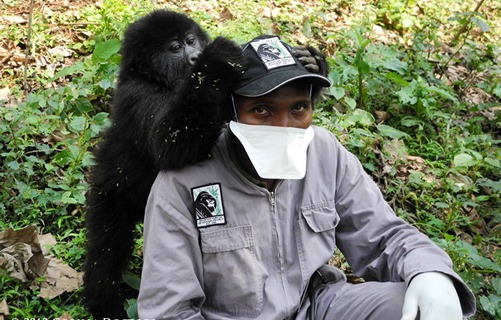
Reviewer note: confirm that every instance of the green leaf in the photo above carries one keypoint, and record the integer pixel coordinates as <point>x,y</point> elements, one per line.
<point>497,90</point>
<point>105,50</point>
<point>483,198</point>
<point>492,162</point>
<point>132,280</point>
<point>481,24</point>
<point>67,198</point>
<point>337,92</point>
<point>489,304</point>
<point>363,117</point>
<point>407,94</point>
<point>101,117</point>
<point>350,102</point>
<point>391,132</point>
<point>13,165</point>
<point>464,160</point>
<point>395,77</point>
<point>410,121</point>
<point>68,70</point>
<point>443,93</point>
<point>77,124</point>
<point>131,308</point>
<point>496,284</point>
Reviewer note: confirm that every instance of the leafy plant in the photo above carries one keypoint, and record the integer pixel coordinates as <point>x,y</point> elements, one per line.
<point>423,118</point>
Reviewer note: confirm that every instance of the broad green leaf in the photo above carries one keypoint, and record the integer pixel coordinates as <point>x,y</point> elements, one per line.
<point>77,124</point>
<point>337,92</point>
<point>497,90</point>
<point>13,165</point>
<point>132,280</point>
<point>489,304</point>
<point>481,24</point>
<point>409,121</point>
<point>492,162</point>
<point>464,160</point>
<point>483,198</point>
<point>443,93</point>
<point>395,77</point>
<point>391,132</point>
<point>350,102</point>
<point>496,284</point>
<point>105,50</point>
<point>131,308</point>
<point>407,94</point>
<point>363,117</point>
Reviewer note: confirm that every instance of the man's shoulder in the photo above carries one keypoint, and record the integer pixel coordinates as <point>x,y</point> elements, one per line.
<point>322,135</point>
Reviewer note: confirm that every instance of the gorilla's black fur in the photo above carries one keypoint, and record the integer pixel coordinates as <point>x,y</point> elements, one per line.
<point>167,113</point>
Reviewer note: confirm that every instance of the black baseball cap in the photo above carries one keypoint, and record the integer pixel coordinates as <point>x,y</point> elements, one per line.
<point>270,64</point>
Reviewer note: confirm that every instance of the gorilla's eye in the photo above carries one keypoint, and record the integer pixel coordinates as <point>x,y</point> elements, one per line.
<point>176,48</point>
<point>190,40</point>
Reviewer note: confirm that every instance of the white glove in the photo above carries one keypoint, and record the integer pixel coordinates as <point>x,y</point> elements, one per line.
<point>433,293</point>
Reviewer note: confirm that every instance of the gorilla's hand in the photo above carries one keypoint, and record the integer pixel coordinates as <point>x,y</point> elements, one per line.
<point>312,59</point>
<point>220,64</point>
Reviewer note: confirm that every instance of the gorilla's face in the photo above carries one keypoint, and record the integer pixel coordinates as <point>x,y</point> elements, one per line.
<point>205,205</point>
<point>185,49</point>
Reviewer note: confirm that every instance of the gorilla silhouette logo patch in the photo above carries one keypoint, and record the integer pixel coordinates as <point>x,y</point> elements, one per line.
<point>208,205</point>
<point>273,53</point>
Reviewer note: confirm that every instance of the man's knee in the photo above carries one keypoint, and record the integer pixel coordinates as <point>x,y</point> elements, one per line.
<point>369,300</point>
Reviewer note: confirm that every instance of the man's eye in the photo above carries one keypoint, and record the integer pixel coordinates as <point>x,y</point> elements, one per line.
<point>299,108</point>
<point>261,110</point>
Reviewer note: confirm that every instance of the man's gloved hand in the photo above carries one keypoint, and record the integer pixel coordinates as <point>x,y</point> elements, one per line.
<point>433,293</point>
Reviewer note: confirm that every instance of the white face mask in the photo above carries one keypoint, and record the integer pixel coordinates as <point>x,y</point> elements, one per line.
<point>275,152</point>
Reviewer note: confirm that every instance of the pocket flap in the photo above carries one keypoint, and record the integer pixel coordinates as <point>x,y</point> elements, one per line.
<point>321,217</point>
<point>226,239</point>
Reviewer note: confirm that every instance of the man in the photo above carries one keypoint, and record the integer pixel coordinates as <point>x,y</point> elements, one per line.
<point>284,194</point>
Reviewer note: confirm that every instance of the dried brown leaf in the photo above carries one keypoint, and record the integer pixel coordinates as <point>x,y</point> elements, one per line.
<point>59,278</point>
<point>226,14</point>
<point>66,316</point>
<point>4,309</point>
<point>23,246</point>
<point>4,93</point>
<point>46,242</point>
<point>14,19</point>
<point>381,116</point>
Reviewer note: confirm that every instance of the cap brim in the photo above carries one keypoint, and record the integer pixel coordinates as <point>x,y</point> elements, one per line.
<point>264,85</point>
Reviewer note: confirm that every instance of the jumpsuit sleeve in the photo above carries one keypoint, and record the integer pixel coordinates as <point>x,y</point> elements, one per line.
<point>376,243</point>
<point>171,282</point>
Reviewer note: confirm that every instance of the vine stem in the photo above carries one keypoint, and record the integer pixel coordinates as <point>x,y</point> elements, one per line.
<point>28,48</point>
<point>465,24</point>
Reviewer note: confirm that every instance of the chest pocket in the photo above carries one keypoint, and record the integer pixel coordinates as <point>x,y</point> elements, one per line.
<point>316,236</point>
<point>232,281</point>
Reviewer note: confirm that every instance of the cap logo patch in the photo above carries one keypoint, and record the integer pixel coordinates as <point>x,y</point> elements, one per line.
<point>208,204</point>
<point>272,53</point>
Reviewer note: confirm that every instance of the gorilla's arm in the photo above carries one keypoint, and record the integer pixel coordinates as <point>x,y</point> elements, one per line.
<point>185,132</point>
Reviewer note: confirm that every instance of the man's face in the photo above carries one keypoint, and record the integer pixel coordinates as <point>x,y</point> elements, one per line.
<point>288,106</point>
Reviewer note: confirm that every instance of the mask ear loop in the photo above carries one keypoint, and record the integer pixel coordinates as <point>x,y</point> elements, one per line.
<point>235,117</point>
<point>311,91</point>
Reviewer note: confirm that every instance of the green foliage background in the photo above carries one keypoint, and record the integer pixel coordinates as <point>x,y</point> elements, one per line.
<point>416,96</point>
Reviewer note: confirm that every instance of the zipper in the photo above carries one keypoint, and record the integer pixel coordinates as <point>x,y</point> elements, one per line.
<point>272,199</point>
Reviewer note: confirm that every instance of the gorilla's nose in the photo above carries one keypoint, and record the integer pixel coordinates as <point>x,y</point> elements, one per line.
<point>193,58</point>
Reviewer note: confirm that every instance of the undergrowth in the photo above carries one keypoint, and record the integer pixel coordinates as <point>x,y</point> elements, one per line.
<point>416,96</point>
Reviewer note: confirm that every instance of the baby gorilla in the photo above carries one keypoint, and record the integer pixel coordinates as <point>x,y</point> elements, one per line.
<point>167,112</point>
<point>171,101</point>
